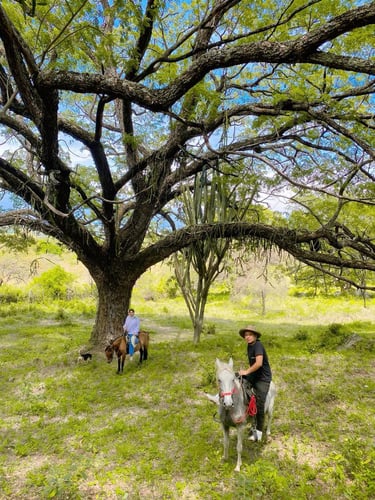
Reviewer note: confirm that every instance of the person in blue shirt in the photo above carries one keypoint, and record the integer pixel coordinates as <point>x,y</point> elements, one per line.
<point>131,329</point>
<point>258,374</point>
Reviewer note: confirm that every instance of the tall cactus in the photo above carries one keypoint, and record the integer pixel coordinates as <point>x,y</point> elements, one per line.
<point>196,267</point>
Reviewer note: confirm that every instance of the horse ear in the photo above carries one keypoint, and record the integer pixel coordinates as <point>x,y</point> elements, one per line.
<point>231,362</point>
<point>218,363</point>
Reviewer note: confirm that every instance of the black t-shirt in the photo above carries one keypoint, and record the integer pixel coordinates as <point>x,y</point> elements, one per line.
<point>264,373</point>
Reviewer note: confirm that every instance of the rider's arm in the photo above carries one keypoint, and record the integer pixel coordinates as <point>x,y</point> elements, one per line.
<point>253,368</point>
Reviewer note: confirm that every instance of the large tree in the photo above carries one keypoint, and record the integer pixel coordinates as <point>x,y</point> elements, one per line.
<point>277,93</point>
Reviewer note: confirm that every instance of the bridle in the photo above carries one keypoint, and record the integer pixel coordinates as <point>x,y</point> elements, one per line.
<point>249,411</point>
<point>110,350</point>
<point>233,391</point>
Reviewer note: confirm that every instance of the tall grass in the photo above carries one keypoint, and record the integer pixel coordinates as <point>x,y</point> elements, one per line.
<point>72,430</point>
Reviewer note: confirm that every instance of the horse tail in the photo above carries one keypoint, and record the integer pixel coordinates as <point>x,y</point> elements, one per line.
<point>144,340</point>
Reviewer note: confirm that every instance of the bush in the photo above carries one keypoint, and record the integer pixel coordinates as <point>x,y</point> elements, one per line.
<point>47,246</point>
<point>53,284</point>
<point>333,337</point>
<point>301,336</point>
<point>209,329</point>
<point>9,295</point>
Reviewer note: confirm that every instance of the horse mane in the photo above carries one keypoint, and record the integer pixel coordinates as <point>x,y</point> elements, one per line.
<point>116,338</point>
<point>112,342</point>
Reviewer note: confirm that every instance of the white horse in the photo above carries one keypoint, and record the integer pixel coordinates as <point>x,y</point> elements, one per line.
<point>233,408</point>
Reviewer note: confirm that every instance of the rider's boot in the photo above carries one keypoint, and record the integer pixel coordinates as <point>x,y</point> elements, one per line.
<point>255,435</point>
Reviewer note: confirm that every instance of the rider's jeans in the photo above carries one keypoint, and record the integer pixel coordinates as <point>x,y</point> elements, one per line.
<point>133,341</point>
<point>261,389</point>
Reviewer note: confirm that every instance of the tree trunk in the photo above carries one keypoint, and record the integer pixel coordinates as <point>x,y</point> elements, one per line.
<point>113,303</point>
<point>200,306</point>
<point>198,327</point>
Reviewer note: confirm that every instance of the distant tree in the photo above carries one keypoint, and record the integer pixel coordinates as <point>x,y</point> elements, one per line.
<point>110,109</point>
<point>53,284</point>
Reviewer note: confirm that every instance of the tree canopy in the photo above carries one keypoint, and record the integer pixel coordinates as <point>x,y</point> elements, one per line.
<point>110,109</point>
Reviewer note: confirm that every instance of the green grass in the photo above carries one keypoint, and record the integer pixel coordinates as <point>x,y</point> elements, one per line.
<point>79,431</point>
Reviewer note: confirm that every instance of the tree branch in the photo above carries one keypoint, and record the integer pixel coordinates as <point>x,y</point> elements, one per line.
<point>290,241</point>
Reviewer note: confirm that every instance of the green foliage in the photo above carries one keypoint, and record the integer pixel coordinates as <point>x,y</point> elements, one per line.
<point>265,479</point>
<point>302,336</point>
<point>56,483</point>
<point>17,239</point>
<point>334,336</point>
<point>309,281</point>
<point>53,283</point>
<point>49,246</point>
<point>209,329</point>
<point>171,287</point>
<point>11,294</point>
<point>354,468</point>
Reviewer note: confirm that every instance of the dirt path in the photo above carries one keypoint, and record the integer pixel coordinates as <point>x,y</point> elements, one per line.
<point>161,333</point>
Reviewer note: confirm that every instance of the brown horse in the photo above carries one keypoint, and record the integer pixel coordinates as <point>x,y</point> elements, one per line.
<point>119,345</point>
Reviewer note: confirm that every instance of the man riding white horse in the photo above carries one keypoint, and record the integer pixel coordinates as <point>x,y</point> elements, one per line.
<point>258,374</point>
<point>257,377</point>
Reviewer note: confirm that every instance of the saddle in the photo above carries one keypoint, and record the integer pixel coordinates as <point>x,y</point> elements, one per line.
<point>250,397</point>
<point>247,389</point>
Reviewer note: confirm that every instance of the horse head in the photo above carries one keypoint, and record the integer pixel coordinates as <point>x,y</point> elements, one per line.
<point>227,382</point>
<point>109,350</point>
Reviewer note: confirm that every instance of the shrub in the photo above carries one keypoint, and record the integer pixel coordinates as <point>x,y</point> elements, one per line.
<point>53,284</point>
<point>301,336</point>
<point>333,337</point>
<point>209,329</point>
<point>9,294</point>
<point>47,246</point>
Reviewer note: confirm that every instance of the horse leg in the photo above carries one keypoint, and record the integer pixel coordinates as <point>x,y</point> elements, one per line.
<point>226,442</point>
<point>240,429</point>
<point>145,353</point>
<point>270,400</point>
<point>122,361</point>
<point>140,355</point>
<point>118,364</point>
<point>269,419</point>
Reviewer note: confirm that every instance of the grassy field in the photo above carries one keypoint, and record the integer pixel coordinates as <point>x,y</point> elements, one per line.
<point>73,430</point>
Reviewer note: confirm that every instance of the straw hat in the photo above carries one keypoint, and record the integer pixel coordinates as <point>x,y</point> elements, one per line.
<point>249,328</point>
